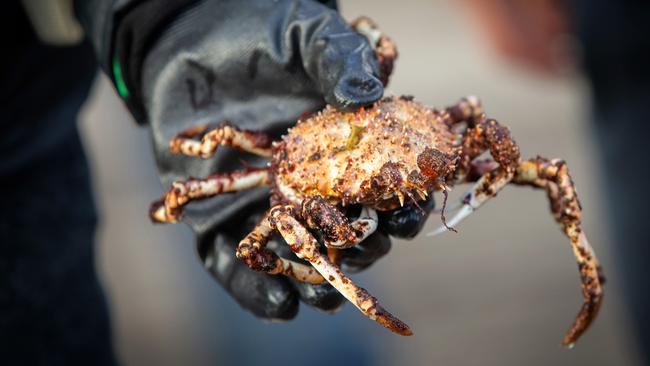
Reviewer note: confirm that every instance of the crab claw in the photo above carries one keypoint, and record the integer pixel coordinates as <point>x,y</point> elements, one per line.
<point>363,227</point>
<point>484,189</point>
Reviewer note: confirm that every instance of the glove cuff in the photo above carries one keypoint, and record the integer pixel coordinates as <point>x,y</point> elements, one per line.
<point>136,30</point>
<point>122,33</point>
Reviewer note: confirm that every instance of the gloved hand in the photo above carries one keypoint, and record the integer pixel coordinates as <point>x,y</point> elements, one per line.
<point>258,64</point>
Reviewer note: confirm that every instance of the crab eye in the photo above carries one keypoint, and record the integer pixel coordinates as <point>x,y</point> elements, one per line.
<point>406,222</point>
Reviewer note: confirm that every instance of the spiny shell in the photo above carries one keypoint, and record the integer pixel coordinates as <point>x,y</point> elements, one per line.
<point>335,154</point>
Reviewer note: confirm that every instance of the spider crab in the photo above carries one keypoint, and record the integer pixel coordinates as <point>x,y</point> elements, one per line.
<point>376,158</point>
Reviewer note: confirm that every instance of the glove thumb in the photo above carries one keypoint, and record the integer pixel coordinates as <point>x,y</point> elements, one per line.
<point>341,61</point>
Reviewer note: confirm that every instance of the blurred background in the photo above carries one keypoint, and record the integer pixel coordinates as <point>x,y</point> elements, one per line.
<point>500,292</point>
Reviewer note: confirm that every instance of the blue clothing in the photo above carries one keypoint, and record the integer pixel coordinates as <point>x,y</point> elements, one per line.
<point>52,308</point>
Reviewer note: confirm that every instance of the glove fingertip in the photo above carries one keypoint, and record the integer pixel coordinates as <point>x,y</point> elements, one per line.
<point>355,90</point>
<point>366,253</point>
<point>265,296</point>
<point>322,297</point>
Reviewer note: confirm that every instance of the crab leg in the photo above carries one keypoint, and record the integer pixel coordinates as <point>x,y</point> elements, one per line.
<point>170,207</point>
<point>477,170</point>
<point>486,134</point>
<point>338,232</point>
<point>224,134</point>
<point>306,247</point>
<point>468,109</point>
<point>484,189</point>
<point>252,250</point>
<point>364,225</point>
<point>553,175</point>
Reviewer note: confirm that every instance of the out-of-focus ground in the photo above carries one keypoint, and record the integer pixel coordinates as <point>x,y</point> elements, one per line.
<point>500,292</point>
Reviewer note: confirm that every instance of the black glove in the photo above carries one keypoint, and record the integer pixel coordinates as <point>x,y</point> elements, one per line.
<point>258,64</point>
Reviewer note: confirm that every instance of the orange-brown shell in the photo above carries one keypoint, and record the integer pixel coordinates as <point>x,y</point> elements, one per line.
<point>345,157</point>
